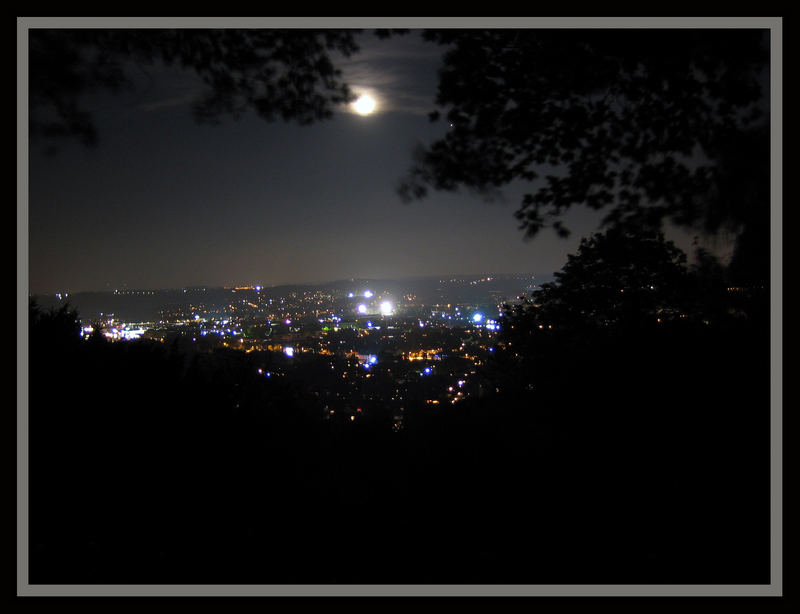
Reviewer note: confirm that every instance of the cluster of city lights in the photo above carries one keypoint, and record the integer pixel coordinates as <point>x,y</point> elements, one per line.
<point>386,308</point>
<point>370,360</point>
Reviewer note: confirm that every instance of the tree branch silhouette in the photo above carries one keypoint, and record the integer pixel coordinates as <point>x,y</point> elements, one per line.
<point>649,125</point>
<point>279,74</point>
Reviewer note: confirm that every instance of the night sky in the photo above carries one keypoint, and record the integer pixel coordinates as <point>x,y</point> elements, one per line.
<point>163,202</point>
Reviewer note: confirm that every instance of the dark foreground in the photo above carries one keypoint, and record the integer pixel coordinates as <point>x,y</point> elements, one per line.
<point>637,459</point>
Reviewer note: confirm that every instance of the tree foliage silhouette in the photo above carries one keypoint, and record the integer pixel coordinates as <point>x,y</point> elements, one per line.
<point>651,418</point>
<point>616,279</point>
<point>652,125</point>
<point>277,73</point>
<point>55,328</point>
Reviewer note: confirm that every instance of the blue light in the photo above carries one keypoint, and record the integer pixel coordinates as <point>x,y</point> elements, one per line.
<point>477,317</point>
<point>373,360</point>
<point>427,370</point>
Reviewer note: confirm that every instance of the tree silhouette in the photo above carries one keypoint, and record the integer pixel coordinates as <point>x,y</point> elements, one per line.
<point>56,328</point>
<point>278,74</point>
<point>617,279</point>
<point>659,430</point>
<point>653,125</point>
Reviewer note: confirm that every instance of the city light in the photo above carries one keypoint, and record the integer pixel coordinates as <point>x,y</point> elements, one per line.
<point>131,334</point>
<point>277,324</point>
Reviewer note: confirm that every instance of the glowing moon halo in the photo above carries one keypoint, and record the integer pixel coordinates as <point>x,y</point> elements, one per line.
<point>364,105</point>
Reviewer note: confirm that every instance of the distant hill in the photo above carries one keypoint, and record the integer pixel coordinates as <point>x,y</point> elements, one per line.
<point>143,305</point>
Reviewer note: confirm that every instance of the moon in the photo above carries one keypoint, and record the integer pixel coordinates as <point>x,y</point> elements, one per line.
<point>364,105</point>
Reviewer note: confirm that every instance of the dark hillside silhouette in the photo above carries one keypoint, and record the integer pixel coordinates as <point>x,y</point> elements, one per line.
<point>659,401</point>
